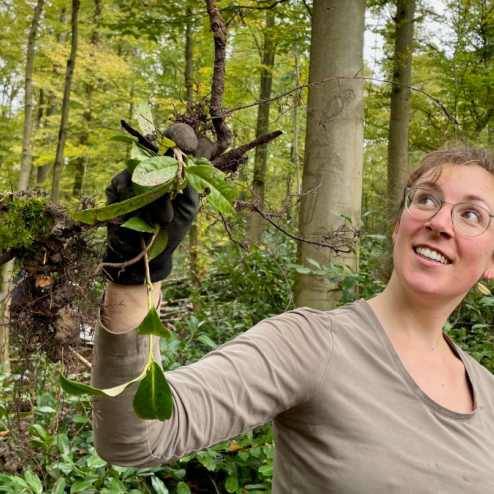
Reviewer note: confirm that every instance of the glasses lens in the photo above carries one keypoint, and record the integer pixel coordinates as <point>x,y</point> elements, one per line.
<point>470,219</point>
<point>422,204</point>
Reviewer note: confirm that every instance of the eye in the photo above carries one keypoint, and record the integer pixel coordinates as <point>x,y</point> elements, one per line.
<point>472,215</point>
<point>425,199</point>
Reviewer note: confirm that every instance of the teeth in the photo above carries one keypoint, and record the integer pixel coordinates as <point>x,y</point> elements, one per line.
<point>432,254</point>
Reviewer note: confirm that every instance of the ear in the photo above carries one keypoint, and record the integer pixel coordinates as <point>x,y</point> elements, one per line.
<point>396,230</point>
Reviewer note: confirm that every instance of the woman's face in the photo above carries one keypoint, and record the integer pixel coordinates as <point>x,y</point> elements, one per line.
<point>468,257</point>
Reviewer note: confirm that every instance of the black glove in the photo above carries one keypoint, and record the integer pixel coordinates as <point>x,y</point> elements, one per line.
<point>175,217</point>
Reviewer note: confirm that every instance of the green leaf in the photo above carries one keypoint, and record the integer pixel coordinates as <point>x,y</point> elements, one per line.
<point>77,388</point>
<point>206,340</point>
<point>153,399</point>
<point>183,488</point>
<point>231,484</point>
<point>123,138</point>
<point>63,444</point>
<point>266,470</point>
<point>165,143</point>
<point>34,482</point>
<point>155,171</point>
<point>59,487</point>
<point>348,283</point>
<point>139,153</point>
<point>159,245</point>
<point>159,485</point>
<point>139,225</point>
<point>210,181</point>
<point>131,165</point>
<point>314,263</point>
<point>145,117</point>
<point>90,216</point>
<point>152,325</point>
<point>80,485</point>
<point>347,296</point>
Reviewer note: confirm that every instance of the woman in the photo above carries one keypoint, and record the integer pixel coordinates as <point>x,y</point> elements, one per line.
<point>371,397</point>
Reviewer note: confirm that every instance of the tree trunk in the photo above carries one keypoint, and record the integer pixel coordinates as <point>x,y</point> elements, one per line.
<point>81,163</point>
<point>189,68</point>
<point>295,124</point>
<point>333,151</point>
<point>400,108</point>
<point>28,100</point>
<point>260,160</point>
<point>6,279</point>
<point>62,136</point>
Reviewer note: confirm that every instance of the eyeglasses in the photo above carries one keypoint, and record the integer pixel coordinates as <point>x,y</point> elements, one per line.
<point>468,219</point>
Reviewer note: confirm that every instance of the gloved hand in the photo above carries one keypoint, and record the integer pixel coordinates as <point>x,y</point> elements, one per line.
<point>175,217</point>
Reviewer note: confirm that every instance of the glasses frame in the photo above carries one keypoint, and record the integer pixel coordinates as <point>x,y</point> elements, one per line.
<point>442,202</point>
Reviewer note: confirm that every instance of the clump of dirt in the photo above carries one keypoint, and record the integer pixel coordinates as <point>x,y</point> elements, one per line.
<point>15,454</point>
<point>54,297</point>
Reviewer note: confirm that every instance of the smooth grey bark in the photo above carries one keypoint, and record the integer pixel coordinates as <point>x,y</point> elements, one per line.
<point>400,108</point>
<point>261,156</point>
<point>81,163</point>
<point>295,124</point>
<point>28,100</point>
<point>52,109</point>
<point>64,123</point>
<point>333,151</point>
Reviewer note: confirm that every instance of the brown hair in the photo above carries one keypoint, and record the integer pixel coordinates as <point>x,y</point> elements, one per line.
<point>448,155</point>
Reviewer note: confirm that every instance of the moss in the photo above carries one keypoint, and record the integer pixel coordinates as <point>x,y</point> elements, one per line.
<point>23,218</point>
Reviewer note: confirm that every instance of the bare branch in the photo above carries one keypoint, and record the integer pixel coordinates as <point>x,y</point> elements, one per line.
<point>224,135</point>
<point>123,265</point>
<point>337,78</point>
<point>229,162</point>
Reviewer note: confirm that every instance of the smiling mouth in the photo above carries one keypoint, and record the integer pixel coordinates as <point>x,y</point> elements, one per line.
<point>431,255</point>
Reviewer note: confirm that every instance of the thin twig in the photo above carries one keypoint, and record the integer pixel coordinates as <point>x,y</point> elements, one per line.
<point>146,260</point>
<point>178,155</point>
<point>337,78</point>
<point>123,265</point>
<point>81,358</point>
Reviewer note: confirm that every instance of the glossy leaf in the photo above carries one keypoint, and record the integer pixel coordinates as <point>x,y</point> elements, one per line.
<point>139,225</point>
<point>59,487</point>
<point>231,484</point>
<point>123,138</point>
<point>159,485</point>
<point>153,325</point>
<point>90,216</point>
<point>155,171</point>
<point>153,399</point>
<point>131,164</point>
<point>145,117</point>
<point>210,181</point>
<point>77,388</point>
<point>158,246</point>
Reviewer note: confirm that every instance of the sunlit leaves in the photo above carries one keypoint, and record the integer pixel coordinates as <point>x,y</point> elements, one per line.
<point>155,171</point>
<point>139,225</point>
<point>145,117</point>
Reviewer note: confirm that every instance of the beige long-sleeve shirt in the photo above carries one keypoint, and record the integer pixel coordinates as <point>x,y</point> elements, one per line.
<point>348,417</point>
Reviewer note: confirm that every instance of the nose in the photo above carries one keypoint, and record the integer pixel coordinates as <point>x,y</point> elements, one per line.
<point>442,223</point>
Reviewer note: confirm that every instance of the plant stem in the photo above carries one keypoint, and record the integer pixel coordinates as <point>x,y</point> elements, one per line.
<point>149,288</point>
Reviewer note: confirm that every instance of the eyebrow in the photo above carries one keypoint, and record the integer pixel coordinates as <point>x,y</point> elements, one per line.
<point>469,197</point>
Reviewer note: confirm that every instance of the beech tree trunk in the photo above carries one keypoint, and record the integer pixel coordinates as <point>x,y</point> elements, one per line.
<point>261,155</point>
<point>62,136</point>
<point>400,108</point>
<point>295,124</point>
<point>334,150</point>
<point>83,140</point>
<point>28,100</point>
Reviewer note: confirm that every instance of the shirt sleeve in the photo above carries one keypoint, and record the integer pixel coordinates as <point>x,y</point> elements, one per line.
<point>270,369</point>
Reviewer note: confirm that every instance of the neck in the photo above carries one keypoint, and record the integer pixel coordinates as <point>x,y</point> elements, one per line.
<point>417,318</point>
